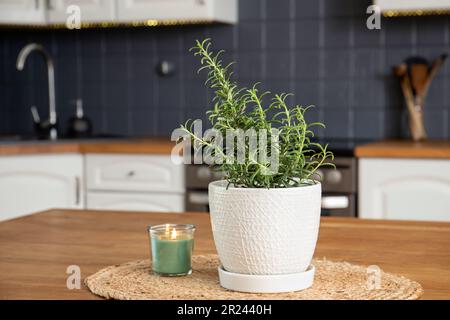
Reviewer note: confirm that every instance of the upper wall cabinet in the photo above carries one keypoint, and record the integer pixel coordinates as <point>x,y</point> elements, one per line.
<point>22,11</point>
<point>91,10</point>
<point>196,10</point>
<point>118,12</point>
<point>392,8</point>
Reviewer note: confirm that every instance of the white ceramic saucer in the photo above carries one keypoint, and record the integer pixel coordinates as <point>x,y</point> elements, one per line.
<point>266,284</point>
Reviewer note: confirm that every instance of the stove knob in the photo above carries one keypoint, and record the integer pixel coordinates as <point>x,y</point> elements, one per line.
<point>334,177</point>
<point>204,173</point>
<point>318,175</point>
<point>218,175</point>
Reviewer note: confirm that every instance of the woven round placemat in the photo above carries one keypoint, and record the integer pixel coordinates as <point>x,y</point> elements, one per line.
<point>333,280</point>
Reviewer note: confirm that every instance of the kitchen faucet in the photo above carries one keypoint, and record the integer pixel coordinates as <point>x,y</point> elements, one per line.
<point>49,127</point>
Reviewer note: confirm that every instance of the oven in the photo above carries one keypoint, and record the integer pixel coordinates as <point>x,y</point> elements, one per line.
<point>198,178</point>
<point>338,187</point>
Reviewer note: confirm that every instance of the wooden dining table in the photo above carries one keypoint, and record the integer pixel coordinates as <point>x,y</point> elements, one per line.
<point>37,250</point>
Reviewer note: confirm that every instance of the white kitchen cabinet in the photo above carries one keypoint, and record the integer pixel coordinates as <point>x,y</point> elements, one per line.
<point>33,183</point>
<point>404,189</point>
<point>50,12</point>
<point>209,10</point>
<point>22,12</point>
<point>91,10</point>
<point>127,201</point>
<point>134,182</point>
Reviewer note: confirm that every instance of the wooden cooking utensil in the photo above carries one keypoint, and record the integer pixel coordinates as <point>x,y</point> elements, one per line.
<point>437,64</point>
<point>415,111</point>
<point>418,74</point>
<point>415,79</point>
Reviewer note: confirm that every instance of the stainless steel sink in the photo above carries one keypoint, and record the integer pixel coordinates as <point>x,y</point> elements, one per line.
<point>15,138</point>
<point>29,139</point>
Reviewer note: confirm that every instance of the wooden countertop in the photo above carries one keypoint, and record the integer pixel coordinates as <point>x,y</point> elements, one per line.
<point>432,149</point>
<point>135,146</point>
<point>36,250</point>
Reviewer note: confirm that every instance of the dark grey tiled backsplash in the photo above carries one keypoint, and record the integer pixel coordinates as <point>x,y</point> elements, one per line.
<point>320,50</point>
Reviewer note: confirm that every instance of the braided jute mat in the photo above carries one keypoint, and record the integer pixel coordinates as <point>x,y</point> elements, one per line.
<point>333,280</point>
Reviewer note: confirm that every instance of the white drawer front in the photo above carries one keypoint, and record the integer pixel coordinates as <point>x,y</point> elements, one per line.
<point>134,173</point>
<point>135,202</point>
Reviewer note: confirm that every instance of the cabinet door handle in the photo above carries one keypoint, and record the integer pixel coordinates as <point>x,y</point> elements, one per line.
<point>49,5</point>
<point>198,198</point>
<point>335,202</point>
<point>77,191</point>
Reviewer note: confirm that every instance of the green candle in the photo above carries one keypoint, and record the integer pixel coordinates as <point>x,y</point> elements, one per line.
<point>172,247</point>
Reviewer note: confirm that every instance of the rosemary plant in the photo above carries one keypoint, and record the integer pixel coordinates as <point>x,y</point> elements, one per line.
<point>241,109</point>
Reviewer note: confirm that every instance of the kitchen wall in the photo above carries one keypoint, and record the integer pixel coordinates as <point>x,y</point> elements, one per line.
<point>319,50</point>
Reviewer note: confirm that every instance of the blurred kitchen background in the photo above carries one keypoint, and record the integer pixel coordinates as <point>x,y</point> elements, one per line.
<point>320,50</point>
<point>139,80</point>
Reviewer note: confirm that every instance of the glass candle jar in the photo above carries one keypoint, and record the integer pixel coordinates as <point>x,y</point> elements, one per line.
<point>171,249</point>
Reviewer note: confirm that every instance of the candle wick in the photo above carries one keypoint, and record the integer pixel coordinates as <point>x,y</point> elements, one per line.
<point>173,234</point>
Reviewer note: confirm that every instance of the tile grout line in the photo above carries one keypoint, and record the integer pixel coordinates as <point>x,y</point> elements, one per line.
<point>263,35</point>
<point>292,45</point>
<point>414,37</point>
<point>182,88</point>
<point>321,49</point>
<point>129,96</point>
<point>79,67</point>
<point>104,120</point>
<point>350,97</point>
<point>155,84</point>
<point>446,128</point>
<point>382,63</point>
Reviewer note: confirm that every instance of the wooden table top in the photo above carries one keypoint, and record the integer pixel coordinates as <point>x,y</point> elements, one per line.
<point>430,149</point>
<point>36,250</point>
<point>134,146</point>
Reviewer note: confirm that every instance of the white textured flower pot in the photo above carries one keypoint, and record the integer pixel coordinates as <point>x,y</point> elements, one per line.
<point>265,231</point>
